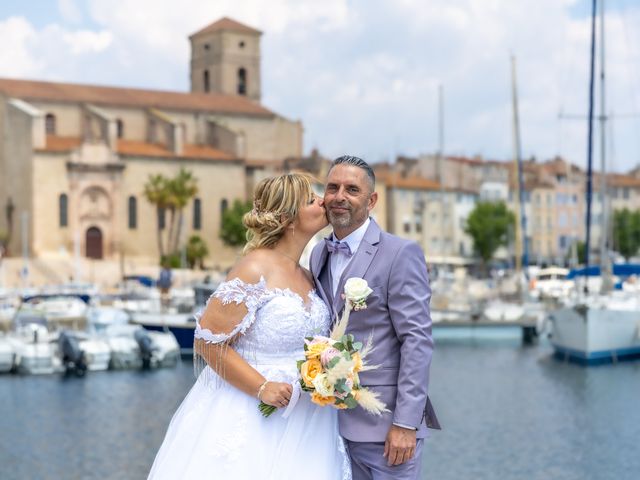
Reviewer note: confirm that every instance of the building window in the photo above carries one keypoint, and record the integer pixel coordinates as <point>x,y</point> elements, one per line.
<point>418,227</point>
<point>161,218</point>
<point>625,193</point>
<point>224,204</point>
<point>205,80</point>
<point>120,128</point>
<point>197,214</point>
<point>242,81</point>
<point>63,202</point>
<point>241,44</point>
<point>133,213</point>
<point>50,124</point>
<point>407,227</point>
<point>206,46</point>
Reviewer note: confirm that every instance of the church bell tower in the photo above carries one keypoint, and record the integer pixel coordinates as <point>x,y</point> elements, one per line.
<point>225,58</point>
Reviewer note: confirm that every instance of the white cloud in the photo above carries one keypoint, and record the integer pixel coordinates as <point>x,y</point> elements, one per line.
<point>70,11</point>
<point>363,74</point>
<point>17,60</point>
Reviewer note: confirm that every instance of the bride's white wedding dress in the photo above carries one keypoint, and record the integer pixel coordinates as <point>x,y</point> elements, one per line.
<point>218,431</point>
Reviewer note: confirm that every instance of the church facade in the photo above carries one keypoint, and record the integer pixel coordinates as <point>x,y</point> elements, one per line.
<point>74,159</point>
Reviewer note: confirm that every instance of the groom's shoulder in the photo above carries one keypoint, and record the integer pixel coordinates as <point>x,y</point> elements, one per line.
<point>396,242</point>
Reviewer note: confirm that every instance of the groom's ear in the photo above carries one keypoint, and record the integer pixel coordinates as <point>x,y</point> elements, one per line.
<point>373,199</point>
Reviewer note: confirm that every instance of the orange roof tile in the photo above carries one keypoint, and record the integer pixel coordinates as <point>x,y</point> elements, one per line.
<point>134,148</point>
<point>617,180</point>
<point>226,23</point>
<point>395,180</point>
<point>131,97</point>
<point>60,144</point>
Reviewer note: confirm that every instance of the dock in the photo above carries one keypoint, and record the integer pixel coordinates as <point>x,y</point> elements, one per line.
<point>528,326</point>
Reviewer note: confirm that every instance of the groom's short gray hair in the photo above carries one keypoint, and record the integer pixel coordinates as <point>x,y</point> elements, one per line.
<point>357,162</point>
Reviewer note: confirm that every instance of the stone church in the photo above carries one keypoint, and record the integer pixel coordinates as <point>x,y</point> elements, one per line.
<point>74,158</point>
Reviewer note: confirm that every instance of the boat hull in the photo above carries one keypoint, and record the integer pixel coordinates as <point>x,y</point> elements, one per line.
<point>591,335</point>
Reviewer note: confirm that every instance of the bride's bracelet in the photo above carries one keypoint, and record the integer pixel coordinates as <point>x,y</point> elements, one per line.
<point>261,389</point>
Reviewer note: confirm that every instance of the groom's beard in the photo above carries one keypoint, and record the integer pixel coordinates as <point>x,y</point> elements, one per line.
<point>347,218</point>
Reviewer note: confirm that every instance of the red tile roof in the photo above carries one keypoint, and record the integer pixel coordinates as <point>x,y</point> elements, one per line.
<point>134,148</point>
<point>226,23</point>
<point>395,180</point>
<point>60,144</point>
<point>131,97</point>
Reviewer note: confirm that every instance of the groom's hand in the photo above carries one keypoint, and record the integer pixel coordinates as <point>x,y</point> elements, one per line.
<point>400,445</point>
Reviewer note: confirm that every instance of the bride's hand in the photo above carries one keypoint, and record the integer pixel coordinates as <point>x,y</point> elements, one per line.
<point>277,394</point>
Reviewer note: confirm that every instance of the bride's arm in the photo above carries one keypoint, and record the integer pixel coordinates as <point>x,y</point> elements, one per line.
<point>222,318</point>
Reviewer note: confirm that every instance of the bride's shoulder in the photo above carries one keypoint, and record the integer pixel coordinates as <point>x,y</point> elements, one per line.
<point>250,269</point>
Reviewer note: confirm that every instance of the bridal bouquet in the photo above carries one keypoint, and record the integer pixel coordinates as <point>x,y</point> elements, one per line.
<point>331,365</point>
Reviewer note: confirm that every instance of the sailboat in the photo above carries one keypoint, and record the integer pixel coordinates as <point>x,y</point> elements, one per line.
<point>603,326</point>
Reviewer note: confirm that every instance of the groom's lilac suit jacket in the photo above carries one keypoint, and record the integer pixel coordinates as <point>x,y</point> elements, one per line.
<point>398,315</point>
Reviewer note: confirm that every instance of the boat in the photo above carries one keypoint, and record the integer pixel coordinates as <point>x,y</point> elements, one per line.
<point>7,354</point>
<point>551,283</point>
<point>35,350</point>
<point>604,326</point>
<point>180,324</point>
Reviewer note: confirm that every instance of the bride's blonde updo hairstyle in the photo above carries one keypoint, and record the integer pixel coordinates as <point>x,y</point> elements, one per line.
<point>276,202</point>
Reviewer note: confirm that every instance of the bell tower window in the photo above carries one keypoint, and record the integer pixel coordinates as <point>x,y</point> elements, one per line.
<point>206,81</point>
<point>242,81</point>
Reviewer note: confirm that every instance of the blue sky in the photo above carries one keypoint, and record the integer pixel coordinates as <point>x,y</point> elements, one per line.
<point>363,75</point>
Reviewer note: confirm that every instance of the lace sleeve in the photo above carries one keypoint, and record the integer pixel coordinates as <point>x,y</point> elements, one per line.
<point>210,348</point>
<point>234,291</point>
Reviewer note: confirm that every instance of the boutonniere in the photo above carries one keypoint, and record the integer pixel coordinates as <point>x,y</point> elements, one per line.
<point>356,291</point>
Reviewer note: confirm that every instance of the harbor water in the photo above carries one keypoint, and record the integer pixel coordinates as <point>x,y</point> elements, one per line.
<point>508,412</point>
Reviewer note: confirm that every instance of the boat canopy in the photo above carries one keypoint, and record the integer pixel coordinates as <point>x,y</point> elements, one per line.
<point>621,270</point>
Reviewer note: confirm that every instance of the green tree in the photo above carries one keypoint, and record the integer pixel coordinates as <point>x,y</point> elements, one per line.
<point>197,250</point>
<point>156,191</point>
<point>172,195</point>
<point>183,187</point>
<point>488,226</point>
<point>625,238</point>
<point>233,231</point>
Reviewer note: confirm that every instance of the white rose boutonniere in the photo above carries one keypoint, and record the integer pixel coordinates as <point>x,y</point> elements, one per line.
<point>356,291</point>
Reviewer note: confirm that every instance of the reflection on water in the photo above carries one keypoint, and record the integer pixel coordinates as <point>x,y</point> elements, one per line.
<point>508,412</point>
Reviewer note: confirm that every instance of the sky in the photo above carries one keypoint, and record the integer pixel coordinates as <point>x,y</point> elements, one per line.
<point>364,75</point>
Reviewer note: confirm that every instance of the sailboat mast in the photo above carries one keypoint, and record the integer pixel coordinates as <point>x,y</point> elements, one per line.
<point>441,165</point>
<point>522,254</point>
<point>590,134</point>
<point>604,258</point>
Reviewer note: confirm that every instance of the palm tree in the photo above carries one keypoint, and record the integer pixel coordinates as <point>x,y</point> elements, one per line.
<point>184,187</point>
<point>156,191</point>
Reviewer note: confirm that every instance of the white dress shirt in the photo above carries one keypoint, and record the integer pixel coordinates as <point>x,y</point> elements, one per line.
<point>339,261</point>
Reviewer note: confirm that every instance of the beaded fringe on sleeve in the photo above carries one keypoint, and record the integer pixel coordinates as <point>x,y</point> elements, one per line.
<point>210,349</point>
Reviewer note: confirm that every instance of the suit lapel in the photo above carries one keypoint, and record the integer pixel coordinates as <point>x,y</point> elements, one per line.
<point>360,262</point>
<point>322,275</point>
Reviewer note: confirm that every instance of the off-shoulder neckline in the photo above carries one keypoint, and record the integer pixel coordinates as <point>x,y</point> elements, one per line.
<point>287,292</point>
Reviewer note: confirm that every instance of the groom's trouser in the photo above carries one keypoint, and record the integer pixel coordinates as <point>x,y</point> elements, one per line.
<point>367,463</point>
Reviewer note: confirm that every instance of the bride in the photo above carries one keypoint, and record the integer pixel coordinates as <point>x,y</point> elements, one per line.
<point>246,345</point>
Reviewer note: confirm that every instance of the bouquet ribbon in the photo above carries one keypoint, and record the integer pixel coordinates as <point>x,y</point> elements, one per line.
<point>295,396</point>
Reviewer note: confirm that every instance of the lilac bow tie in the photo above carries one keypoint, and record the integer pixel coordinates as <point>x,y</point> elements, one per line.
<point>338,247</point>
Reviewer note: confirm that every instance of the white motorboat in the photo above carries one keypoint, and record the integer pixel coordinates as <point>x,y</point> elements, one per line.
<point>35,350</point>
<point>551,283</point>
<point>7,354</point>
<point>598,328</point>
<point>125,351</point>
<point>83,350</point>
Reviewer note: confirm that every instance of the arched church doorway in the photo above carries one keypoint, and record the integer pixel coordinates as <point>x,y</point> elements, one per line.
<point>94,243</point>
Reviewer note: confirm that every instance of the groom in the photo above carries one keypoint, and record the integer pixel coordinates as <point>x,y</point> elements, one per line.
<point>387,446</point>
